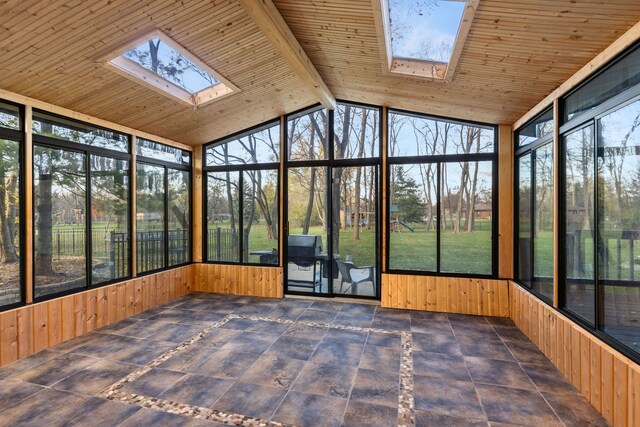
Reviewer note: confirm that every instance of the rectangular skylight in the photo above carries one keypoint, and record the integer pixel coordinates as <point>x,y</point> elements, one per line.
<point>424,29</point>
<point>158,62</point>
<point>158,57</point>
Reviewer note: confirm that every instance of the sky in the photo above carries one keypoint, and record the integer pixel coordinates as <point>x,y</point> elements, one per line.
<point>424,22</point>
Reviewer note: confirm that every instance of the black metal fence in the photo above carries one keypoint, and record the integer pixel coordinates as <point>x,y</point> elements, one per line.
<point>222,244</point>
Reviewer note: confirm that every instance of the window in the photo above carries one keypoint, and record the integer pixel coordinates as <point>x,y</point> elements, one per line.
<point>600,227</point>
<point>11,139</point>
<point>307,136</point>
<point>534,205</point>
<point>242,195</point>
<point>81,198</point>
<point>163,203</point>
<point>156,60</point>
<point>424,37</point>
<point>441,215</point>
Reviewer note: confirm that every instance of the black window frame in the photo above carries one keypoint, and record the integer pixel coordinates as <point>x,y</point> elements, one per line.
<point>166,165</point>
<point>239,168</point>
<point>586,119</point>
<point>87,151</point>
<point>19,136</point>
<point>439,159</point>
<point>521,151</point>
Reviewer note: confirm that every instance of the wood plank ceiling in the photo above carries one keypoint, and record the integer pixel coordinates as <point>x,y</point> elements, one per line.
<point>516,53</point>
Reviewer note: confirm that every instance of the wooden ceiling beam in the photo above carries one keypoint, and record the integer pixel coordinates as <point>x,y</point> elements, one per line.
<point>268,18</point>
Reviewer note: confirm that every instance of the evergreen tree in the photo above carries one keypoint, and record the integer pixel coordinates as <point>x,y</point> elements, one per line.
<point>407,197</point>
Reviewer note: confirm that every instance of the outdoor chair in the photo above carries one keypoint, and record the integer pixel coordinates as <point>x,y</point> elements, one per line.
<point>353,275</point>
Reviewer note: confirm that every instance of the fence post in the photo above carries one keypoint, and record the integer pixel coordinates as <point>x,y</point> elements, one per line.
<point>58,243</point>
<point>245,245</point>
<point>112,255</point>
<point>218,245</point>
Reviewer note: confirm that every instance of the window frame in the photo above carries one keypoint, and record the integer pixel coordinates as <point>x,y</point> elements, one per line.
<point>19,136</point>
<point>87,151</point>
<point>439,159</point>
<point>240,169</point>
<point>166,165</point>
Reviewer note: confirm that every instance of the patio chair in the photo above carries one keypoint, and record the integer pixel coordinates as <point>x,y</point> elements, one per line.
<point>354,275</point>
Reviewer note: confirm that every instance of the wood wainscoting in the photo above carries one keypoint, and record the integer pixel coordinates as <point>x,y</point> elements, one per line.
<point>239,280</point>
<point>482,297</point>
<point>34,327</point>
<point>607,378</point>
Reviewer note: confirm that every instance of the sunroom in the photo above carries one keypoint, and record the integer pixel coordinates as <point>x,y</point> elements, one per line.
<point>310,213</point>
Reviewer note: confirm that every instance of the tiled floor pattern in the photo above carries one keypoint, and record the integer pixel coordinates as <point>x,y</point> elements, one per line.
<point>209,360</point>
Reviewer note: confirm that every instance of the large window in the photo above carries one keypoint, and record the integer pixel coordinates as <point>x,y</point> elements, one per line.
<point>242,195</point>
<point>81,195</point>
<point>10,212</point>
<point>441,215</point>
<point>163,206</point>
<point>534,205</point>
<point>600,201</point>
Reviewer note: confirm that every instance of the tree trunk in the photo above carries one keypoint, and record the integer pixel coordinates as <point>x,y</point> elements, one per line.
<point>8,251</point>
<point>44,225</point>
<point>471,217</point>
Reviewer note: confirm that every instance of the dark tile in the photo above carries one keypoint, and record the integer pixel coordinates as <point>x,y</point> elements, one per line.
<point>45,408</point>
<point>391,323</point>
<point>466,318</point>
<point>239,324</point>
<point>102,412</point>
<point>224,306</point>
<point>218,337</point>
<point>143,329</point>
<point>251,400</point>
<point>171,315</point>
<point>176,333</point>
<point>105,345</point>
<point>333,380</point>
<point>142,352</point>
<point>527,352</point>
<point>56,369</point>
<point>250,342</point>
<point>273,371</point>
<point>436,343</point>
<point>304,331</point>
<point>491,349</point>
<point>574,409</point>
<point>392,312</point>
<point>291,313</point>
<point>384,340</point>
<point>151,418</point>
<point>548,378</point>
<point>360,320</point>
<point>449,366</point>
<point>28,362</point>
<point>296,303</point>
<point>196,390</point>
<point>255,309</point>
<point>426,316</point>
<point>326,305</point>
<point>310,410</point>
<point>426,418</point>
<point>498,372</point>
<point>293,347</point>
<point>187,359</point>
<point>96,377</point>
<point>72,344</point>
<point>447,397</point>
<point>13,391</point>
<point>515,406</point>
<point>376,387</point>
<point>337,351</point>
<point>321,316</point>
<point>118,326</point>
<point>475,330</point>
<point>273,328</point>
<point>502,321</point>
<point>202,318</point>
<point>226,364</point>
<point>384,359</point>
<point>153,382</point>
<point>511,333</point>
<point>358,308</point>
<point>366,414</point>
<point>351,337</point>
<point>431,327</point>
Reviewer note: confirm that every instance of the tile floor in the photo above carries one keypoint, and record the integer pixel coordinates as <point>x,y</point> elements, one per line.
<point>208,359</point>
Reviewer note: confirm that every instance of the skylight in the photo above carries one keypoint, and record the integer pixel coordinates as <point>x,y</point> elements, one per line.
<point>161,64</point>
<point>424,30</point>
<point>423,38</point>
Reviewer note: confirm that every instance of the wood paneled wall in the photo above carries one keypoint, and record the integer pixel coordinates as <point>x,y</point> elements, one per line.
<point>446,294</point>
<point>607,378</point>
<point>32,328</point>
<point>239,280</point>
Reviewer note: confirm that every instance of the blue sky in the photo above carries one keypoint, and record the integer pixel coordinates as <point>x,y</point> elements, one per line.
<point>424,22</point>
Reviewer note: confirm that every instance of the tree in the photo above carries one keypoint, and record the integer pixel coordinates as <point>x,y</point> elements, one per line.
<point>407,197</point>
